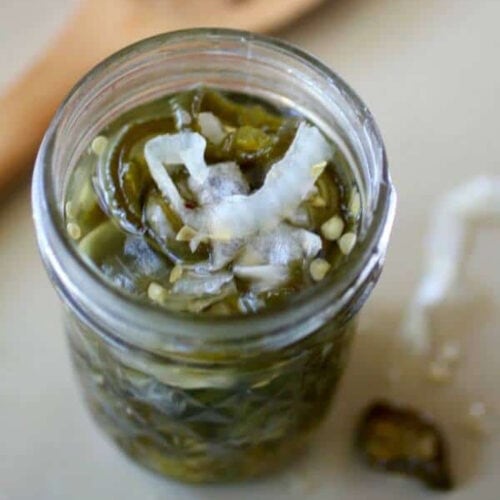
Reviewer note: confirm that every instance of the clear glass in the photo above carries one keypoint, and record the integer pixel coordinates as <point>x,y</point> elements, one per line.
<point>199,398</point>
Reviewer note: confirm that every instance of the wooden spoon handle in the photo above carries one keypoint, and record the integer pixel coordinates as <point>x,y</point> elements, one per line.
<point>29,104</point>
<point>99,28</point>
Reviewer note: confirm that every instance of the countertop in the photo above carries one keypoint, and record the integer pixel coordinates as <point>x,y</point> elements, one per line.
<point>429,71</point>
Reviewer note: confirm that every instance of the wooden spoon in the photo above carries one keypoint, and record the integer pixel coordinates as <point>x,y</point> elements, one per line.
<point>99,28</point>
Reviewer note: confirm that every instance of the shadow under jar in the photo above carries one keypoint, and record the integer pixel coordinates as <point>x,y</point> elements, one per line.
<point>197,397</point>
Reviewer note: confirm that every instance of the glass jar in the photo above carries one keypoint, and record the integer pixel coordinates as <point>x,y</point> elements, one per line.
<point>195,397</point>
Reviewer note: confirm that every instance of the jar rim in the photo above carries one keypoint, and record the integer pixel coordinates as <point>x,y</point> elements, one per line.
<point>126,319</point>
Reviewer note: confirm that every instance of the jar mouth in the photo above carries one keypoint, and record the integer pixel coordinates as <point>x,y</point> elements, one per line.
<point>122,316</point>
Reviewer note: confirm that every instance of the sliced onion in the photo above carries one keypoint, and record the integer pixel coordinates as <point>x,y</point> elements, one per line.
<point>211,127</point>
<point>263,278</point>
<point>287,184</point>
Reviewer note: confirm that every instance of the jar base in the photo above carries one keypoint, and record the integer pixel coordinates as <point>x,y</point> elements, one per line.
<point>193,470</point>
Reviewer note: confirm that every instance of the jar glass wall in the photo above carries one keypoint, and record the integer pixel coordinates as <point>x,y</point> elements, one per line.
<point>195,397</point>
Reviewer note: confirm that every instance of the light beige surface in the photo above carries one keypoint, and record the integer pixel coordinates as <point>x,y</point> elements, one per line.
<point>429,71</point>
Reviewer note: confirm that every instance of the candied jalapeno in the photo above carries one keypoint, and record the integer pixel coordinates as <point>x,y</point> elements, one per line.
<point>168,381</point>
<point>241,131</point>
<point>204,418</point>
<point>402,440</point>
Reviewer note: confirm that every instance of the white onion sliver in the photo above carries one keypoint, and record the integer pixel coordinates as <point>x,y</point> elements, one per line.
<point>287,184</point>
<point>224,252</point>
<point>284,245</point>
<point>165,151</point>
<point>223,180</point>
<point>454,226</point>
<point>311,242</point>
<point>264,278</point>
<point>201,284</point>
<point>211,127</point>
